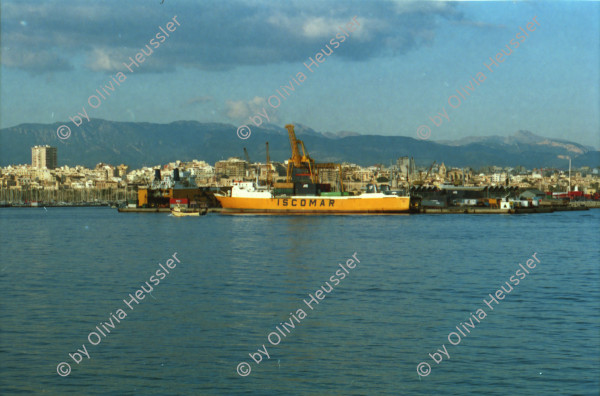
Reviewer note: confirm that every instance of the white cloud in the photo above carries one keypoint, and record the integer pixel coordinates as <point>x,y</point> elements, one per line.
<point>102,59</point>
<point>239,110</point>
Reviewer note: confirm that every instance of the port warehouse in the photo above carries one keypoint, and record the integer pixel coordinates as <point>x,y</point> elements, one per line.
<point>483,196</point>
<point>173,192</point>
<point>494,197</point>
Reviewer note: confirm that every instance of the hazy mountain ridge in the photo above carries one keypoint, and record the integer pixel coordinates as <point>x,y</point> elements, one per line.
<point>145,144</point>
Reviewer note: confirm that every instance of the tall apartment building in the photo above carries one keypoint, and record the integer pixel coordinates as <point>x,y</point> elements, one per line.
<point>43,156</point>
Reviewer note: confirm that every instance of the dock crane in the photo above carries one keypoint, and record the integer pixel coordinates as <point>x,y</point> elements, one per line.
<point>269,181</point>
<point>429,171</point>
<point>299,161</point>
<point>247,156</point>
<point>422,181</point>
<point>305,162</point>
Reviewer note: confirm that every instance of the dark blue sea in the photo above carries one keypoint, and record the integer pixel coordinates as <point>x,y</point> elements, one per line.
<point>416,287</point>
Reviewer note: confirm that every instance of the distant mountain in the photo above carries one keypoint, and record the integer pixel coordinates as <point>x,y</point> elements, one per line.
<point>340,134</point>
<point>520,137</point>
<point>146,144</point>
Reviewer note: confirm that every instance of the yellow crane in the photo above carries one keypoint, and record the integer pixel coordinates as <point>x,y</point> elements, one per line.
<point>299,161</point>
<point>304,161</point>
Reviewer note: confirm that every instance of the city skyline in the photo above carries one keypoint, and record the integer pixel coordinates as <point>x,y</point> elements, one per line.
<point>37,182</point>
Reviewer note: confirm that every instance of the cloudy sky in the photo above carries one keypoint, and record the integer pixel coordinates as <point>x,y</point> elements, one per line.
<point>225,59</point>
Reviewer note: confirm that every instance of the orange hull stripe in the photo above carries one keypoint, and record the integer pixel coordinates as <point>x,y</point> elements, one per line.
<point>317,204</point>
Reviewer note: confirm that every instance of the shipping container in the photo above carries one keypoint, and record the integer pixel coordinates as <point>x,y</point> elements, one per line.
<point>324,187</point>
<point>335,194</point>
<point>180,202</point>
<point>283,185</point>
<point>305,189</point>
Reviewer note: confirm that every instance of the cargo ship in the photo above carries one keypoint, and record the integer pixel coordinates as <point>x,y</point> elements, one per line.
<point>302,193</point>
<point>246,197</point>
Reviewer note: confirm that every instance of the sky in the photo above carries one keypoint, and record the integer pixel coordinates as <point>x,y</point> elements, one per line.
<point>404,68</point>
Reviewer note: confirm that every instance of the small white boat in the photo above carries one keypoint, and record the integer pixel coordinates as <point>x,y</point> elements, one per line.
<point>182,212</point>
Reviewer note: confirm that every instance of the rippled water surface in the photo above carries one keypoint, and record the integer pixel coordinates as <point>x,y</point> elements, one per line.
<point>65,271</point>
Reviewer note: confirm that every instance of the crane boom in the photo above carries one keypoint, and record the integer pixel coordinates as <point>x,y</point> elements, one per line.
<point>247,156</point>
<point>299,161</point>
<point>431,167</point>
<point>268,166</point>
<point>296,158</point>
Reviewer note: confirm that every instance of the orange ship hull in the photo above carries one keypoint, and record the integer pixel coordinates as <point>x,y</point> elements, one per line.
<point>316,205</point>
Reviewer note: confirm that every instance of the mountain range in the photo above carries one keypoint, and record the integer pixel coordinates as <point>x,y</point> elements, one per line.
<point>140,144</point>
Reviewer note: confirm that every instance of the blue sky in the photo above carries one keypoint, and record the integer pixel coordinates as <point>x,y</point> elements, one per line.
<point>226,58</point>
